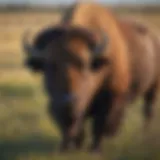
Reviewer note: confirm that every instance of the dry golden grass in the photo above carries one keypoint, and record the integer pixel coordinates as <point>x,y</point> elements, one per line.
<point>12,28</point>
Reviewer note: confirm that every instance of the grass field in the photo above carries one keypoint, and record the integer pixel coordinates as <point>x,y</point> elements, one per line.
<point>26,132</point>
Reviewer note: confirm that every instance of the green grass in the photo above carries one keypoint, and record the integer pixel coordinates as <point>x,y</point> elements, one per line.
<point>26,130</point>
<point>8,90</point>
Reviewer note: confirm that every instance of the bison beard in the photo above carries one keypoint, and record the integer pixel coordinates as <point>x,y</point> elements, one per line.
<point>115,74</point>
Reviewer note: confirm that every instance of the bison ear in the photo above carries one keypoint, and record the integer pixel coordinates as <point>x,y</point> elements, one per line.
<point>98,63</point>
<point>36,65</point>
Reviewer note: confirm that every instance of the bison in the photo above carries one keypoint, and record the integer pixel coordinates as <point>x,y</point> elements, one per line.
<point>94,64</point>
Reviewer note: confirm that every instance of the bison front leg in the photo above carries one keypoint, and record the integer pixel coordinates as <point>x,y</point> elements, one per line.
<point>65,144</point>
<point>98,130</point>
<point>115,115</point>
<point>79,140</point>
<point>77,133</point>
<point>69,142</point>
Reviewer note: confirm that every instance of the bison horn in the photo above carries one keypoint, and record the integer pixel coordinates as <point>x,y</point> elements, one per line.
<point>31,51</point>
<point>99,49</point>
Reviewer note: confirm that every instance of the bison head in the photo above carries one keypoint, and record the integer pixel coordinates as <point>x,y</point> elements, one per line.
<point>73,67</point>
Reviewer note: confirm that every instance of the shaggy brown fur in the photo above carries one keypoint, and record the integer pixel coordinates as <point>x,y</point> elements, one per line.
<point>128,68</point>
<point>133,50</point>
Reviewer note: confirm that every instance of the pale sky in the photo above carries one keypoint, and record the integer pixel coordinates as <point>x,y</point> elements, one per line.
<point>70,1</point>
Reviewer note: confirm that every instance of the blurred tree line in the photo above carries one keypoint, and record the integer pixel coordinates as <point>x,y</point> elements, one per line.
<point>60,8</point>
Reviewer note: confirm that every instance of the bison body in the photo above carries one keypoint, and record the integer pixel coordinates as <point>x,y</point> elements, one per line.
<point>94,64</point>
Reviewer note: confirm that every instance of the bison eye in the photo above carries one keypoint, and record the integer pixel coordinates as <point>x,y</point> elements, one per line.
<point>97,63</point>
<point>75,61</point>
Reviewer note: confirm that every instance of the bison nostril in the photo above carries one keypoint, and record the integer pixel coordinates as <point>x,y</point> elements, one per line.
<point>64,99</point>
<point>68,98</point>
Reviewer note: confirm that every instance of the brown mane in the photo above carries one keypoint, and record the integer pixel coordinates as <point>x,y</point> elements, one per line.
<point>120,77</point>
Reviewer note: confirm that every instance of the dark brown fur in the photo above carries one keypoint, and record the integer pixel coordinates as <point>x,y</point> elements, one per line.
<point>134,53</point>
<point>129,68</point>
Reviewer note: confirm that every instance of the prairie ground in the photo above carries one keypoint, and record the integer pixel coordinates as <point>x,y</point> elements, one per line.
<point>26,132</point>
